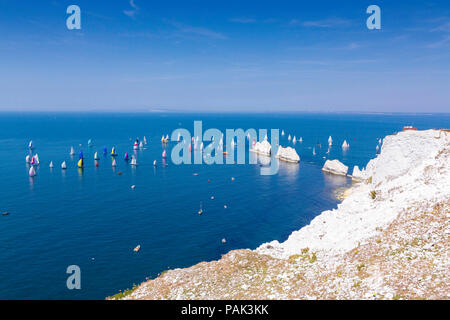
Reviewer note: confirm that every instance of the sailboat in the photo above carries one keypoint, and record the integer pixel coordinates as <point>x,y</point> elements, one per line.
<point>289,137</point>
<point>36,158</point>
<point>30,145</point>
<point>345,145</point>
<point>96,163</point>
<point>314,151</point>
<point>330,141</point>
<point>167,138</point>
<point>154,163</point>
<point>300,140</point>
<point>51,164</point>
<point>201,208</point>
<point>126,156</point>
<point>80,163</point>
<point>89,143</point>
<point>178,138</point>
<point>27,159</point>
<point>145,140</point>
<point>135,146</point>
<point>114,164</point>
<point>32,161</point>
<point>113,152</point>
<point>63,165</point>
<point>164,154</point>
<point>72,151</point>
<point>282,132</point>
<point>294,140</point>
<point>32,172</point>
<point>96,157</point>
<point>133,161</point>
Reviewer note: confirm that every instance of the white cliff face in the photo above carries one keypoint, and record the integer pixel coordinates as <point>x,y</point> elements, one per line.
<point>413,168</point>
<point>263,148</point>
<point>287,154</point>
<point>335,167</point>
<point>357,174</point>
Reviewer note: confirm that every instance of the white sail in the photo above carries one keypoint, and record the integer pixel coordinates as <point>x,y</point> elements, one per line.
<point>145,140</point>
<point>289,137</point>
<point>345,145</point>
<point>154,163</point>
<point>330,141</point>
<point>114,164</point>
<point>72,152</point>
<point>282,132</point>
<point>27,158</point>
<point>133,161</point>
<point>63,165</point>
<point>32,172</point>
<point>314,151</point>
<point>301,140</point>
<point>294,140</point>
<point>51,164</point>
<point>36,158</point>
<point>96,157</point>
<point>141,145</point>
<point>30,144</point>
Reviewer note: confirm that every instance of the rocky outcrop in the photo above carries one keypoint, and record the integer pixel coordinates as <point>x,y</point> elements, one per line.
<point>288,154</point>
<point>262,148</point>
<point>335,167</point>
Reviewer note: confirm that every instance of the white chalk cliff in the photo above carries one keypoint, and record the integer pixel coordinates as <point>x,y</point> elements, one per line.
<point>335,167</point>
<point>263,148</point>
<point>287,154</point>
<point>413,168</point>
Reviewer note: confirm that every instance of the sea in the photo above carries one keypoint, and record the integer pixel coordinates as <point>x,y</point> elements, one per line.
<point>92,217</point>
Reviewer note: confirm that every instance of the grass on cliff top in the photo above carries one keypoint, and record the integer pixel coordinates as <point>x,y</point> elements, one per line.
<point>123,294</point>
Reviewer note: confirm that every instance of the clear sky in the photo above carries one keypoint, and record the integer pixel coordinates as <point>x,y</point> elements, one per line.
<point>225,56</point>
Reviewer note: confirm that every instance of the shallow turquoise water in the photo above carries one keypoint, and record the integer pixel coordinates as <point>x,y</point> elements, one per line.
<point>94,219</point>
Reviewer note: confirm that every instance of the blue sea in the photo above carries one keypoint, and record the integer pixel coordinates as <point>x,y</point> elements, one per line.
<point>93,218</point>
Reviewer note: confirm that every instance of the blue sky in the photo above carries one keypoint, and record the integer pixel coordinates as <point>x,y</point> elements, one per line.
<point>225,56</point>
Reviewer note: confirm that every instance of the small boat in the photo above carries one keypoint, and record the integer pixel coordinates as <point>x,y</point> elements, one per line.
<point>294,140</point>
<point>113,152</point>
<point>330,141</point>
<point>137,248</point>
<point>224,240</point>
<point>63,165</point>
<point>72,151</point>
<point>133,187</point>
<point>126,156</point>
<point>314,151</point>
<point>289,137</point>
<point>300,140</point>
<point>154,163</point>
<point>178,138</point>
<point>36,158</point>
<point>164,154</point>
<point>201,146</point>
<point>145,140</point>
<point>282,132</point>
<point>80,163</point>
<point>51,164</point>
<point>141,145</point>
<point>133,161</point>
<point>162,139</point>
<point>33,161</point>
<point>114,164</point>
<point>135,146</point>
<point>96,157</point>
<point>200,211</point>
<point>30,145</point>
<point>90,143</point>
<point>379,141</point>
<point>32,172</point>
<point>167,138</point>
<point>27,159</point>
<point>345,145</point>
